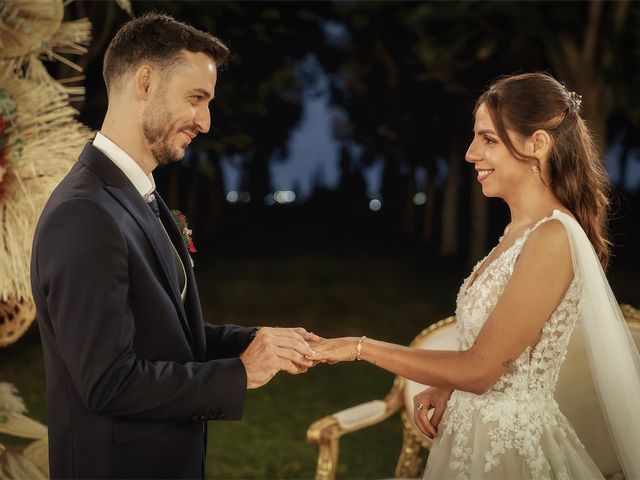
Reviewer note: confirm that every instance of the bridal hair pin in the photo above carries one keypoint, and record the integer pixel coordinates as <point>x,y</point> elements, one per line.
<point>576,99</point>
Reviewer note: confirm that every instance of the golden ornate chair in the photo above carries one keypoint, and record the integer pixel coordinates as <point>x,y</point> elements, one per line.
<point>577,400</point>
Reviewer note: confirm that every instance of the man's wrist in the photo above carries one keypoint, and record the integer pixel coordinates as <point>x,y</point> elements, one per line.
<point>253,334</point>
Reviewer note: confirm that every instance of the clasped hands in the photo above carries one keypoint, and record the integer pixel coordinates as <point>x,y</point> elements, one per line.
<point>292,350</point>
<point>428,406</point>
<point>295,350</point>
<point>278,349</point>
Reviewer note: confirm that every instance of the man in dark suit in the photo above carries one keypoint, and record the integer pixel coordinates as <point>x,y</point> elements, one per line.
<point>133,372</point>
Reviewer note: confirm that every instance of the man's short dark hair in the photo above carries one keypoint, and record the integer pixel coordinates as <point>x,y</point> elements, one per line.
<point>158,39</point>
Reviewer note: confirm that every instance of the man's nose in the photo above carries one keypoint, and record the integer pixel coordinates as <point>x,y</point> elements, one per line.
<point>203,120</point>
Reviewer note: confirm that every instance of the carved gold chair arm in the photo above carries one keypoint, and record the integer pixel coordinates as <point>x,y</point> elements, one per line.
<point>631,314</point>
<point>326,432</point>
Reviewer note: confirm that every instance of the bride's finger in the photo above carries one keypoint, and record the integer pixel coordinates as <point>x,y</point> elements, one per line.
<point>437,416</point>
<point>427,428</point>
<point>295,357</point>
<point>318,356</point>
<point>306,335</point>
<point>422,420</point>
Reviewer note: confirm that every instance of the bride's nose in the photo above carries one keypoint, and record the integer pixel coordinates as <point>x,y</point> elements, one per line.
<point>472,155</point>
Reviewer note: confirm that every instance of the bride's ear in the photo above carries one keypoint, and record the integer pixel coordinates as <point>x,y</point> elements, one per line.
<point>539,144</point>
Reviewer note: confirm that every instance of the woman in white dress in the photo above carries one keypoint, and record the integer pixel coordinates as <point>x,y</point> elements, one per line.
<point>518,308</point>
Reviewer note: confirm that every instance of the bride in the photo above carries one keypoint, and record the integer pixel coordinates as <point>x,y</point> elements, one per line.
<point>518,308</point>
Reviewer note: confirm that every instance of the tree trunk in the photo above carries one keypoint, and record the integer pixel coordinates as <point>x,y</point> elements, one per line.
<point>624,161</point>
<point>409,221</point>
<point>429,206</point>
<point>583,66</point>
<point>173,197</point>
<point>449,245</point>
<point>216,198</point>
<point>193,186</point>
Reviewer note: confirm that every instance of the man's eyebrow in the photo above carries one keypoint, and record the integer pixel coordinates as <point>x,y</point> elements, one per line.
<point>202,92</point>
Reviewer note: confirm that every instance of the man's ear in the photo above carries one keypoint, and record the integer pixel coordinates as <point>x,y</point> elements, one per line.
<point>143,77</point>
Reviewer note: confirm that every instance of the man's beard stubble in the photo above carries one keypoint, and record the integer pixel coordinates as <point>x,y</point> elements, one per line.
<point>158,129</point>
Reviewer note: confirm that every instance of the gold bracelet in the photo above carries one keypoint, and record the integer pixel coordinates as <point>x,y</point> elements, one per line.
<point>359,347</point>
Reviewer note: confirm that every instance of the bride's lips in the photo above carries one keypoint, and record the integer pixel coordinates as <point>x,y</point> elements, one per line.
<point>483,173</point>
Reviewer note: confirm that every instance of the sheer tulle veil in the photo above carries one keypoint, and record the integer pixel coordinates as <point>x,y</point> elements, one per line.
<point>613,357</point>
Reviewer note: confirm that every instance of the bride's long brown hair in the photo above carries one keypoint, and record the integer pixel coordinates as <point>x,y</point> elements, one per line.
<point>536,101</point>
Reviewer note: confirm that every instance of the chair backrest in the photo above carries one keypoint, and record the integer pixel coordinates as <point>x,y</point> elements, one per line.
<point>575,392</point>
<point>442,335</point>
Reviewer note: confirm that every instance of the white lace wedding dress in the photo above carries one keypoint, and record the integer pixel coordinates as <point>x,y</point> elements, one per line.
<point>515,430</point>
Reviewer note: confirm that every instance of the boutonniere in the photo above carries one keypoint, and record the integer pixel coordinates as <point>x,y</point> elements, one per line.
<point>181,220</point>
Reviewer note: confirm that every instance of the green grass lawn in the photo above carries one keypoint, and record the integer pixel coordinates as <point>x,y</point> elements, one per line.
<point>382,296</point>
<point>390,298</point>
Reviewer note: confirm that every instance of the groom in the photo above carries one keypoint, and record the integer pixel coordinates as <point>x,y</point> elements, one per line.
<point>133,372</point>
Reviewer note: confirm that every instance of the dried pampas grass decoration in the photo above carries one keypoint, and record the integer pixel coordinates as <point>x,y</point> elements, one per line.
<point>33,461</point>
<point>33,30</point>
<point>51,140</point>
<point>39,138</point>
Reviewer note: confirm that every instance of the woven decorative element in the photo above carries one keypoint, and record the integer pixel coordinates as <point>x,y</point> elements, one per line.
<point>39,138</point>
<point>15,318</point>
<point>26,26</point>
<point>32,30</point>
<point>50,140</point>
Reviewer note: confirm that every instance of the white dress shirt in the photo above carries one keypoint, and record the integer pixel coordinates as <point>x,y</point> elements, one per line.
<point>145,185</point>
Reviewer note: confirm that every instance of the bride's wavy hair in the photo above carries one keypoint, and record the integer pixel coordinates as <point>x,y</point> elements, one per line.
<point>536,101</point>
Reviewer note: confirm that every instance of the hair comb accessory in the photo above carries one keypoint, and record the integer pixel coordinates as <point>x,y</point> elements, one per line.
<point>576,99</point>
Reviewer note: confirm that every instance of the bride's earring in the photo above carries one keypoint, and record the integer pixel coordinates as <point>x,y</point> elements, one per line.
<point>535,169</point>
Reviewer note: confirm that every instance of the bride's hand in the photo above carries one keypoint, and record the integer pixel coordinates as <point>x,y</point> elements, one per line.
<point>334,350</point>
<point>431,398</point>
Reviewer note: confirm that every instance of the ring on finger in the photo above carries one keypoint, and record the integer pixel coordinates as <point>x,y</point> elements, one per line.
<point>420,406</point>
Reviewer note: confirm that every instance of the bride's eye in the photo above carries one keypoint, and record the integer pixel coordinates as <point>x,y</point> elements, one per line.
<point>489,140</point>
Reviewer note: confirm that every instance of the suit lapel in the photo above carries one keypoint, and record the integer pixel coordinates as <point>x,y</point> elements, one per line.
<point>123,191</point>
<point>192,298</point>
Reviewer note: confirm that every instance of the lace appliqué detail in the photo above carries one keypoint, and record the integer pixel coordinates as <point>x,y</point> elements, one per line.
<point>515,411</point>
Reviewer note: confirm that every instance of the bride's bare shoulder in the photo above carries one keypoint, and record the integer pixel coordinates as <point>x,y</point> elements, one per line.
<point>548,245</point>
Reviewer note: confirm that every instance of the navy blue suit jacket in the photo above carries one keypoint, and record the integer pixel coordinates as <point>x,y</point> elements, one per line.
<point>132,373</point>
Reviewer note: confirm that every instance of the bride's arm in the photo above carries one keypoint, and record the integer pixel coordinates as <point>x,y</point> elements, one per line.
<point>540,279</point>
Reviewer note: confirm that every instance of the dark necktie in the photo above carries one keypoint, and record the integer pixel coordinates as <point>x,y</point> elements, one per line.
<point>153,205</point>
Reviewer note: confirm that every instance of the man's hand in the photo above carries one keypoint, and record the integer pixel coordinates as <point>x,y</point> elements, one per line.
<point>431,398</point>
<point>276,349</point>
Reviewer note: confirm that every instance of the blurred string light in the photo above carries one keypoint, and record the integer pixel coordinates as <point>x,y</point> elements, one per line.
<point>285,197</point>
<point>420,198</point>
<point>282,197</point>
<point>232,196</point>
<point>375,205</point>
<point>235,197</point>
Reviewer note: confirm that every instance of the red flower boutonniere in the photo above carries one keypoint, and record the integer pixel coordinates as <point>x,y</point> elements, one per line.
<point>181,220</point>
